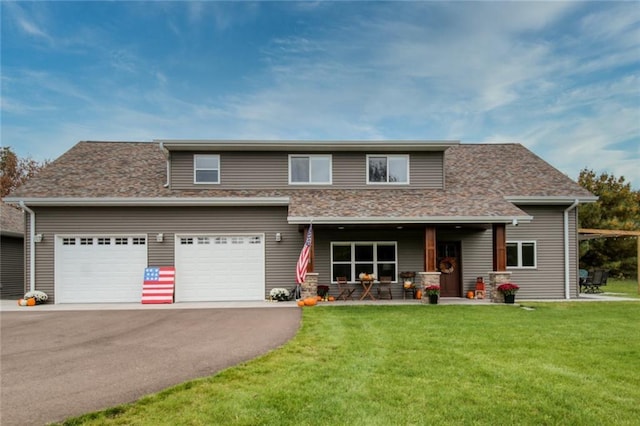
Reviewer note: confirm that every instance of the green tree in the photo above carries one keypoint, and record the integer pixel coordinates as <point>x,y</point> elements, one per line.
<point>14,171</point>
<point>618,208</point>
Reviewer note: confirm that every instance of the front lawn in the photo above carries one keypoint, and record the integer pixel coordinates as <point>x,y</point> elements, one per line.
<point>552,363</point>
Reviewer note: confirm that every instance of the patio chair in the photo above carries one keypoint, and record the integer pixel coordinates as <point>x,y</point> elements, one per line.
<point>344,290</point>
<point>594,280</point>
<point>384,288</point>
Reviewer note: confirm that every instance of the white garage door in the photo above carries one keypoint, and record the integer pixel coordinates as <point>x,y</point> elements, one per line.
<point>219,267</point>
<point>99,268</point>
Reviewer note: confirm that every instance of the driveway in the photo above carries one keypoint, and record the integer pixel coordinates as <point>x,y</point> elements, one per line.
<point>57,364</point>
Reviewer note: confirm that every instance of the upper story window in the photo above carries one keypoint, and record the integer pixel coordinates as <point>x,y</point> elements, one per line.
<point>392,169</point>
<point>310,169</point>
<point>206,168</point>
<point>521,254</point>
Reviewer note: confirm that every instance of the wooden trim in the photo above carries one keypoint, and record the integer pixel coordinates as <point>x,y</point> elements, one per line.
<point>499,247</point>
<point>430,249</point>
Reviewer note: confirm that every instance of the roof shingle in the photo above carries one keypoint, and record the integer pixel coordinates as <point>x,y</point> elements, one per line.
<point>478,177</point>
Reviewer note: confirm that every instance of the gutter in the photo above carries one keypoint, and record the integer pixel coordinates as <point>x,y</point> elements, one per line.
<point>167,154</point>
<point>32,245</point>
<point>567,284</point>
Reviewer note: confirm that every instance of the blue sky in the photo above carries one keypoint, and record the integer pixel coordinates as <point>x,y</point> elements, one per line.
<point>562,78</point>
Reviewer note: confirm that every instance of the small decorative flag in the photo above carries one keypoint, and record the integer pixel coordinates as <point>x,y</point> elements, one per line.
<point>303,260</point>
<point>159,282</point>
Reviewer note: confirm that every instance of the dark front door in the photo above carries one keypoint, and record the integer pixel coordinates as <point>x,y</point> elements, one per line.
<point>448,257</point>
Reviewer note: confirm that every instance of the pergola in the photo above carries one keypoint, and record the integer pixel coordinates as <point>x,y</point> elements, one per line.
<point>589,234</point>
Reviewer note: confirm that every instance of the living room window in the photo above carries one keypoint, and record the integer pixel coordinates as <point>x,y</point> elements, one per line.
<point>388,169</point>
<point>309,169</point>
<point>350,259</point>
<point>206,168</point>
<point>521,254</point>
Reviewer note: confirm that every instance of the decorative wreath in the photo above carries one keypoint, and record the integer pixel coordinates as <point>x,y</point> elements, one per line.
<point>447,265</point>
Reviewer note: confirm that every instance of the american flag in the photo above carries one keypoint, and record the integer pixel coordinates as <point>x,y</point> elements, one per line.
<point>158,284</point>
<point>303,260</point>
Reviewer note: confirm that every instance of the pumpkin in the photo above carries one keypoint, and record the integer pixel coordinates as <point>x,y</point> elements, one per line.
<point>318,298</point>
<point>300,303</point>
<point>332,299</point>
<point>470,294</point>
<point>419,294</point>
<point>22,302</point>
<point>310,301</point>
<point>31,302</point>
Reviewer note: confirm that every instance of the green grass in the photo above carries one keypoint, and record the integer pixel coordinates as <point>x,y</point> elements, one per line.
<point>552,364</point>
<point>626,288</point>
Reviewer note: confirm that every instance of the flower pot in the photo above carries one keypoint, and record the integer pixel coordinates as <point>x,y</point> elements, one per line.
<point>433,299</point>
<point>509,298</point>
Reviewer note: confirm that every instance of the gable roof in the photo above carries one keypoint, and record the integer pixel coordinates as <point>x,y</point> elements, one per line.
<point>483,181</point>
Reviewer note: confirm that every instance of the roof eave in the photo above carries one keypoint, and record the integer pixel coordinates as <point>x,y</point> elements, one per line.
<point>175,201</point>
<point>551,199</point>
<point>307,145</point>
<point>328,220</point>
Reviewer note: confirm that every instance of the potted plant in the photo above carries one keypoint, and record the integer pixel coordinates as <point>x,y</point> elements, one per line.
<point>433,291</point>
<point>509,291</point>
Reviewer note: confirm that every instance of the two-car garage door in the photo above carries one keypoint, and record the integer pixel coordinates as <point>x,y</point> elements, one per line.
<point>90,269</point>
<point>219,267</point>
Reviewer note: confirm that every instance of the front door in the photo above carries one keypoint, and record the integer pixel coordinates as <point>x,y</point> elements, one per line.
<point>448,257</point>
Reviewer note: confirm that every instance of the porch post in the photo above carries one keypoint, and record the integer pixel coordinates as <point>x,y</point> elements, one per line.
<point>499,247</point>
<point>309,287</point>
<point>312,253</point>
<point>430,249</point>
<point>499,275</point>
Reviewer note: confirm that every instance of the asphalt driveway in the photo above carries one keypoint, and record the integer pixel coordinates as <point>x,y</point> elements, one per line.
<point>57,364</point>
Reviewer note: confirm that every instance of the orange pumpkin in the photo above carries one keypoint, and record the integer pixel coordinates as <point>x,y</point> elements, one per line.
<point>31,302</point>
<point>419,294</point>
<point>470,295</point>
<point>310,301</point>
<point>318,298</point>
<point>301,303</point>
<point>332,299</point>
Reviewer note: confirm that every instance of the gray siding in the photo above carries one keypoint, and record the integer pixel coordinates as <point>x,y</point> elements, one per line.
<point>259,170</point>
<point>280,258</point>
<point>547,229</point>
<point>11,266</point>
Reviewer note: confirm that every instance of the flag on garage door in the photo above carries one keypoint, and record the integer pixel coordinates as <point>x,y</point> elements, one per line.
<point>159,283</point>
<point>305,256</point>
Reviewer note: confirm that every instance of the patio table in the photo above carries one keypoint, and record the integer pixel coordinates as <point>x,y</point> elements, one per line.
<point>366,286</point>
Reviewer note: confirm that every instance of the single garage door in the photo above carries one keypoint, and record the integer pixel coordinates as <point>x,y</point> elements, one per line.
<point>97,269</point>
<point>219,268</point>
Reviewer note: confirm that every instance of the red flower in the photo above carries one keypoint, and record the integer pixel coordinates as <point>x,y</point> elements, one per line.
<point>432,289</point>
<point>508,288</point>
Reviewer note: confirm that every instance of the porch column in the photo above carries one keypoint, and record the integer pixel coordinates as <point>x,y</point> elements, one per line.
<point>427,279</point>
<point>430,249</point>
<point>499,247</point>
<point>312,252</point>
<point>309,287</point>
<point>495,279</point>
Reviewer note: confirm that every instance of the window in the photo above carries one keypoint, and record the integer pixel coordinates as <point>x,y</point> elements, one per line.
<point>351,259</point>
<point>521,254</point>
<point>122,241</point>
<point>86,241</point>
<point>104,241</point>
<point>69,241</point>
<point>310,169</point>
<point>139,241</point>
<point>388,169</point>
<point>206,169</point>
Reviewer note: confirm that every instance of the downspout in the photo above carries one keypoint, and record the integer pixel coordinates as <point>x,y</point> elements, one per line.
<point>32,246</point>
<point>165,151</point>
<point>567,283</point>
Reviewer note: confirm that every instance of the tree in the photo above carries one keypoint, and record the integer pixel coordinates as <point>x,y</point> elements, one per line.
<point>14,171</point>
<point>618,208</point>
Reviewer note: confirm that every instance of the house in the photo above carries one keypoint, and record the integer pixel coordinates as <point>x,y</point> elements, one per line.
<point>11,251</point>
<point>231,216</point>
